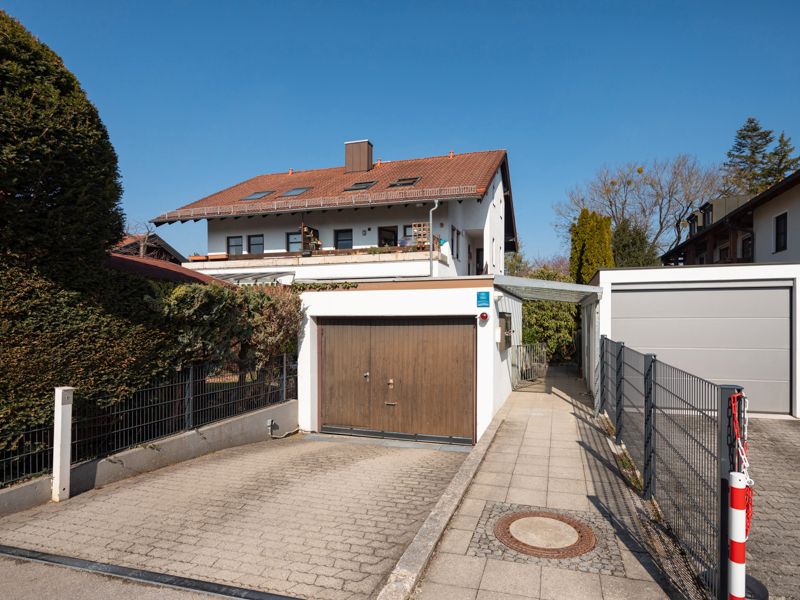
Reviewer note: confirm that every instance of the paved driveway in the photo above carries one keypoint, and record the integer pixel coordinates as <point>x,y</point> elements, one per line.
<point>309,516</point>
<point>772,548</point>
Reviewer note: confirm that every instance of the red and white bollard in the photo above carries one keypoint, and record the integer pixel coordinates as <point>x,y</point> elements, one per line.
<point>737,534</point>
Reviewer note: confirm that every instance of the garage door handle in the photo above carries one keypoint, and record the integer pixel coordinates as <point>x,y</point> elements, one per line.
<point>366,375</point>
<point>390,403</point>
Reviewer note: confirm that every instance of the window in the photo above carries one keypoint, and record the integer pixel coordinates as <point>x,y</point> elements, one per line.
<point>234,245</point>
<point>255,244</point>
<point>360,185</point>
<point>408,231</point>
<point>387,236</point>
<point>404,182</point>
<point>747,247</point>
<point>295,191</point>
<point>458,244</point>
<point>724,253</point>
<point>453,241</point>
<point>257,195</point>
<point>708,215</point>
<point>294,241</point>
<point>781,232</point>
<point>692,225</point>
<point>343,239</point>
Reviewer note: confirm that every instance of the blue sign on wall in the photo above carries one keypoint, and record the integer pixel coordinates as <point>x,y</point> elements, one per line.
<point>483,299</point>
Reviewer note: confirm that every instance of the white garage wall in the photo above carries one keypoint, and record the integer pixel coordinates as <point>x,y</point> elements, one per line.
<point>701,277</point>
<point>493,378</point>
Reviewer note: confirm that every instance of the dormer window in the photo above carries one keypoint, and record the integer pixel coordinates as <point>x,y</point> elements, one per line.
<point>295,191</point>
<point>708,214</point>
<point>404,182</point>
<point>360,185</point>
<point>257,195</point>
<point>692,225</point>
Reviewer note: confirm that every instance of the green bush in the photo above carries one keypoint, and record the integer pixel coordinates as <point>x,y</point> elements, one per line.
<point>59,183</point>
<point>51,336</point>
<point>549,321</point>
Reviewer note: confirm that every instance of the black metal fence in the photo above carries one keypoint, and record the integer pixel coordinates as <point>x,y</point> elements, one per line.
<point>676,429</point>
<point>186,399</point>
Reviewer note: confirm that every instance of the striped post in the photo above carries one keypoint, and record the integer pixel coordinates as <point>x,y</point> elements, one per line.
<point>737,536</point>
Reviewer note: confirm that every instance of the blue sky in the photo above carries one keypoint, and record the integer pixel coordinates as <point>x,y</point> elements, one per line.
<point>200,95</point>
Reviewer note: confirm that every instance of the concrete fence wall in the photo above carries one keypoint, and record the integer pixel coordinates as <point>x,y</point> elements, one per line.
<point>237,431</point>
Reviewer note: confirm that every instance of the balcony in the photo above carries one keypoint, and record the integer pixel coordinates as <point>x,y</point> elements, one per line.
<point>395,261</point>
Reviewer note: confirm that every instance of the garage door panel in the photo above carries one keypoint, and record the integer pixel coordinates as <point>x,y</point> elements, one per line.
<point>422,374</point>
<point>712,303</point>
<point>345,348</point>
<point>737,335</point>
<point>704,333</point>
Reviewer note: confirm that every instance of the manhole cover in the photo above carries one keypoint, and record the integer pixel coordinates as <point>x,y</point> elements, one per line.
<point>544,534</point>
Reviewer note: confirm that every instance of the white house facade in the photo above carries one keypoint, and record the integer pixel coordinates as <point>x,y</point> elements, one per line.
<point>443,216</point>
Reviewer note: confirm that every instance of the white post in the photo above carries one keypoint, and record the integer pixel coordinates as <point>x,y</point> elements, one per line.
<point>62,443</point>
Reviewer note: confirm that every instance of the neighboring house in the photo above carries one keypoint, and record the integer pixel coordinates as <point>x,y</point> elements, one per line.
<point>367,219</point>
<point>764,229</point>
<point>148,245</point>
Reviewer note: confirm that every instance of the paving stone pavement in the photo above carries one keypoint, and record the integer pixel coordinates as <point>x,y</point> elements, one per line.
<point>547,455</point>
<point>773,549</point>
<point>306,516</point>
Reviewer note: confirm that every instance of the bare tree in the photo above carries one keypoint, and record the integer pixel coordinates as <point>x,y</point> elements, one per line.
<point>143,231</point>
<point>656,197</point>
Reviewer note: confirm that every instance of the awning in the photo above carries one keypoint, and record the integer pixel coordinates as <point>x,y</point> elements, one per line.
<point>255,278</point>
<point>543,289</point>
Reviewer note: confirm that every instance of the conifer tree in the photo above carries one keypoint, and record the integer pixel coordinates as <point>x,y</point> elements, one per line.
<point>780,162</point>
<point>631,246</point>
<point>746,170</point>
<point>590,246</point>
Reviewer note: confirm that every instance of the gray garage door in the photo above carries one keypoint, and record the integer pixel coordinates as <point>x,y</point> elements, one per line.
<point>727,335</point>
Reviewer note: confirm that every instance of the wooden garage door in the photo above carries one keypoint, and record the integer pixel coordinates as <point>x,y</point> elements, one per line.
<point>405,378</point>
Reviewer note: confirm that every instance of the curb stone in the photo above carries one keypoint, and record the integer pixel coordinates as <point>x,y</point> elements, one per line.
<point>406,573</point>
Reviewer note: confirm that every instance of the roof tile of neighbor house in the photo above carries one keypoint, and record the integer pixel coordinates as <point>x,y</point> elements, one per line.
<point>440,177</point>
<point>162,270</point>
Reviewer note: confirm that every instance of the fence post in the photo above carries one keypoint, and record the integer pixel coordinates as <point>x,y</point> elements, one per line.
<point>649,413</point>
<point>283,384</point>
<point>726,454</point>
<point>62,443</point>
<point>620,381</point>
<point>188,404</point>
<point>603,369</point>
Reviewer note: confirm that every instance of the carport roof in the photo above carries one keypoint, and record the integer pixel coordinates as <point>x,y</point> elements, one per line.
<point>542,289</point>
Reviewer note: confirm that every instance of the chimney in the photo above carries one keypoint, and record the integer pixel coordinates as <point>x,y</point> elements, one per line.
<point>357,156</point>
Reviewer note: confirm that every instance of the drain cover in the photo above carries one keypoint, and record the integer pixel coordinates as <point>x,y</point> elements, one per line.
<point>544,534</point>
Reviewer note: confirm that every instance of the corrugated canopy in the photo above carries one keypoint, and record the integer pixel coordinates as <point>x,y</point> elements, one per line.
<point>542,289</point>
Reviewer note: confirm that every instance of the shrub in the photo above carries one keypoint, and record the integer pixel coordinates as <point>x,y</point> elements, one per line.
<point>59,183</point>
<point>51,336</point>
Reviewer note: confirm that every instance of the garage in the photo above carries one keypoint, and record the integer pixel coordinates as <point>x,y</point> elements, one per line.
<point>724,331</point>
<point>406,378</point>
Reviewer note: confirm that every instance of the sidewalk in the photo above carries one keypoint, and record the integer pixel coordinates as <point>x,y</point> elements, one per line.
<point>547,456</point>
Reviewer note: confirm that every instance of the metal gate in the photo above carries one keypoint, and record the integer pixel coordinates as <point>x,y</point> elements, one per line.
<point>528,363</point>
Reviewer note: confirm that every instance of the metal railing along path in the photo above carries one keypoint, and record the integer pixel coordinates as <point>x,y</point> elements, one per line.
<point>676,428</point>
<point>184,400</point>
<point>528,363</point>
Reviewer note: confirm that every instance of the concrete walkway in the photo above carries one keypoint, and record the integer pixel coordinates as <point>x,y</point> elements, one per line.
<point>547,455</point>
<point>310,517</point>
<point>773,556</point>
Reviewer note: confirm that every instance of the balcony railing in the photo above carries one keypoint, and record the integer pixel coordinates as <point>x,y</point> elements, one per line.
<point>373,250</point>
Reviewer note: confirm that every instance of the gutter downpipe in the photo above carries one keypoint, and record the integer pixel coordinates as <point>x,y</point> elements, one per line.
<point>430,237</point>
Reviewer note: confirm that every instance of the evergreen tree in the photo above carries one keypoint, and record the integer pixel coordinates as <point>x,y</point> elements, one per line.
<point>59,184</point>
<point>780,161</point>
<point>631,246</point>
<point>746,170</point>
<point>590,246</point>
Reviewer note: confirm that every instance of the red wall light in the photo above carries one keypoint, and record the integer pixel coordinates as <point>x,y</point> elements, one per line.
<point>484,316</point>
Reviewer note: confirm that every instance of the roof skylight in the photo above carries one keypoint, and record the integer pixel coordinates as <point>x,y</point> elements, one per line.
<point>295,191</point>
<point>257,195</point>
<point>360,185</point>
<point>404,182</point>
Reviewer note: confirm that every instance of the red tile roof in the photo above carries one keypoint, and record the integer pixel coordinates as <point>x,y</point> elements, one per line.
<point>462,175</point>
<point>152,268</point>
